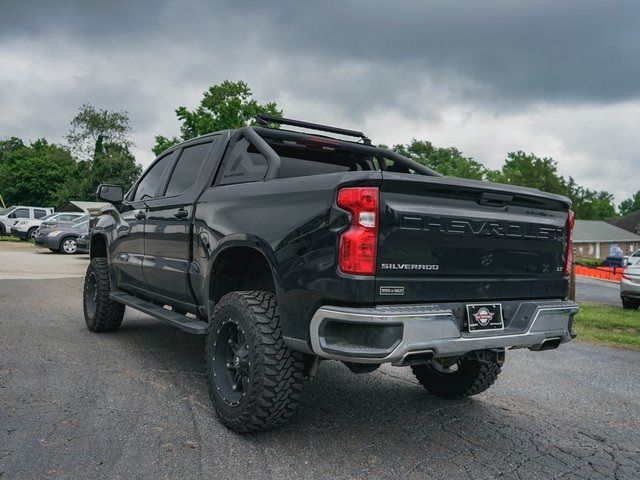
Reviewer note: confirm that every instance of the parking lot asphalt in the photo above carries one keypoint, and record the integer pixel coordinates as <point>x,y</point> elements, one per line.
<point>592,290</point>
<point>21,260</point>
<point>133,404</point>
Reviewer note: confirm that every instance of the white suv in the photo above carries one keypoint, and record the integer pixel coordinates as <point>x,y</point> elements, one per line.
<point>25,229</point>
<point>14,214</point>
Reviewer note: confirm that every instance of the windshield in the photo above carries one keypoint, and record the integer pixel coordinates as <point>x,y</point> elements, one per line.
<point>9,210</point>
<point>51,216</point>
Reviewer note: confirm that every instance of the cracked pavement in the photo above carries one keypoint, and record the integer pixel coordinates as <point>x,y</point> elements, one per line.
<point>134,404</point>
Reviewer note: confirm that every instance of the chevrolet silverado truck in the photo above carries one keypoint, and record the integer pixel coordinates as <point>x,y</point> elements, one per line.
<point>286,247</point>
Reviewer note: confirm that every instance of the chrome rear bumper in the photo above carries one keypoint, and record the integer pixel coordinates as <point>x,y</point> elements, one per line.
<point>392,333</point>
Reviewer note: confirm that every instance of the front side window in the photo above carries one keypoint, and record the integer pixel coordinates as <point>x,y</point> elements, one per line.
<point>150,183</point>
<point>187,168</point>
<point>21,213</point>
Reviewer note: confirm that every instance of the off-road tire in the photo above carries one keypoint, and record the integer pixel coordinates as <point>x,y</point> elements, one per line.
<point>105,315</point>
<point>275,373</point>
<point>630,304</point>
<point>472,377</point>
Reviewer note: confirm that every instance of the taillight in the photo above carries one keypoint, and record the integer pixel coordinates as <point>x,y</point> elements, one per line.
<point>358,245</point>
<point>625,274</point>
<point>568,253</point>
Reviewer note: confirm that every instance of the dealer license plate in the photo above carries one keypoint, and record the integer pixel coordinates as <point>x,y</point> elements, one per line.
<point>485,317</point>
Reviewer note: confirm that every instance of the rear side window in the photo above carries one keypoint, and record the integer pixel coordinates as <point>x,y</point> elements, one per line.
<point>37,213</point>
<point>187,168</point>
<point>150,183</point>
<point>243,164</point>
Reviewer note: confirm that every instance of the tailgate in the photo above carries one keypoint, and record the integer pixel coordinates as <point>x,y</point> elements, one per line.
<point>448,239</point>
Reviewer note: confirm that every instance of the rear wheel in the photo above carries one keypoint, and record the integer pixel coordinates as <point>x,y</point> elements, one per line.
<point>255,380</point>
<point>465,377</point>
<point>630,304</point>
<point>31,234</point>
<point>101,313</point>
<point>68,246</point>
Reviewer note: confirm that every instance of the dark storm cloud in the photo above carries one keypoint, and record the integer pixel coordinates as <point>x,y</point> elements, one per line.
<point>557,78</point>
<point>504,51</point>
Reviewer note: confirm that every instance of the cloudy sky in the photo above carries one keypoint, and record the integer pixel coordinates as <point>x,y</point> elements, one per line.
<point>559,78</point>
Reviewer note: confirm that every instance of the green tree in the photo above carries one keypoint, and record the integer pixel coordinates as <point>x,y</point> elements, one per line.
<point>9,145</point>
<point>447,161</point>
<point>92,129</point>
<point>37,174</point>
<point>227,105</point>
<point>529,170</point>
<point>100,141</point>
<point>630,205</point>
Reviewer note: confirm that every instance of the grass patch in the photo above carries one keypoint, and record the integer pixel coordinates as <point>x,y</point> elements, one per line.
<point>6,238</point>
<point>609,325</point>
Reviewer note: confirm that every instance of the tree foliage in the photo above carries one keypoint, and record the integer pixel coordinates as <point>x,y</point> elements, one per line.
<point>227,105</point>
<point>92,129</point>
<point>447,161</point>
<point>100,141</point>
<point>630,205</point>
<point>36,174</point>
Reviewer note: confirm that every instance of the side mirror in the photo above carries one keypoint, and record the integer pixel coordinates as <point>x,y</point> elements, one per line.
<point>110,193</point>
<point>11,215</point>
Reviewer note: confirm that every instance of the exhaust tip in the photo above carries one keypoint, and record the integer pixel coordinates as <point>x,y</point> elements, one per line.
<point>547,344</point>
<point>419,357</point>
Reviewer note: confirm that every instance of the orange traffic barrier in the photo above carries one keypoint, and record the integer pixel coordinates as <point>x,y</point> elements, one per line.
<point>604,273</point>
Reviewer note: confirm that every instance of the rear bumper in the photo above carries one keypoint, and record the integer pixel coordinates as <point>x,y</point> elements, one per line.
<point>396,333</point>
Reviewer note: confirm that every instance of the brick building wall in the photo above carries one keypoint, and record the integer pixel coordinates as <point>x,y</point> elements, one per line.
<point>600,250</point>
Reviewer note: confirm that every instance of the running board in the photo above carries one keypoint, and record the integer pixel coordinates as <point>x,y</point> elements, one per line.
<point>182,322</point>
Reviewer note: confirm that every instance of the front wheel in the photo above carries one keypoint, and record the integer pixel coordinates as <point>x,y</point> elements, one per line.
<point>467,376</point>
<point>101,313</point>
<point>629,304</point>
<point>68,246</point>
<point>255,380</point>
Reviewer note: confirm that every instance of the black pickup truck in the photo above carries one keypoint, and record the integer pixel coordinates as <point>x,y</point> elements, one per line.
<point>287,247</point>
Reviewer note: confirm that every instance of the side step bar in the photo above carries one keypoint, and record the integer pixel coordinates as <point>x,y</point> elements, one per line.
<point>182,322</point>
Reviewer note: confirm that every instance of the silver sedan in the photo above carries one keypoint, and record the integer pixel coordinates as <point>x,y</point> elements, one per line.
<point>630,287</point>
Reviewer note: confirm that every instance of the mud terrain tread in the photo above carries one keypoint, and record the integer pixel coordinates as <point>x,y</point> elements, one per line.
<point>108,315</point>
<point>474,377</point>
<point>277,371</point>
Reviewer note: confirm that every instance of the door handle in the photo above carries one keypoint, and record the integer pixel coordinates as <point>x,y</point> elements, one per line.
<point>182,213</point>
<point>141,215</point>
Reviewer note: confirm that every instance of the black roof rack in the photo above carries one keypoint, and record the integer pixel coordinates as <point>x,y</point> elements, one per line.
<point>265,120</point>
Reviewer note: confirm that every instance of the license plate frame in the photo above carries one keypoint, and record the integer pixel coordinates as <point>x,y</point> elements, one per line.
<point>484,316</point>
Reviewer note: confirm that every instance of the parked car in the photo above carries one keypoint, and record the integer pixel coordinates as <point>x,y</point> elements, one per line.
<point>634,258</point>
<point>25,229</point>
<point>630,287</point>
<point>62,237</point>
<point>285,248</point>
<point>16,213</point>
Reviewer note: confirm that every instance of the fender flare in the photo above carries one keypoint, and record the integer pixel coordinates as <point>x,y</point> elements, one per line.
<point>249,241</point>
